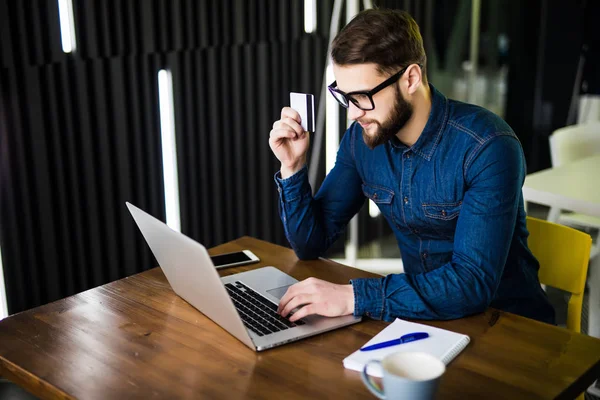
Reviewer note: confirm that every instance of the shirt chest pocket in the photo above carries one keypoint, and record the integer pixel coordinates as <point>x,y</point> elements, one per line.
<point>442,217</point>
<point>382,197</point>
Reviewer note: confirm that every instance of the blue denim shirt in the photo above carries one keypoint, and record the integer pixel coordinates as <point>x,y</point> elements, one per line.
<point>455,204</point>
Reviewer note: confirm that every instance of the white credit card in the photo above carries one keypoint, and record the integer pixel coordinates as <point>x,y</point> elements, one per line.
<point>305,105</point>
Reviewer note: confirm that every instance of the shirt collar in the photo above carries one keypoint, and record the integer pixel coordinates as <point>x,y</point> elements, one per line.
<point>432,133</point>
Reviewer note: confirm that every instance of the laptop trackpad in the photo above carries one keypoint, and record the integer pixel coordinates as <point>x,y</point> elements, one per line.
<point>278,292</point>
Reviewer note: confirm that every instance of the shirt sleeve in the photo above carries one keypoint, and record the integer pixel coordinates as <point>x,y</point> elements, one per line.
<point>467,284</point>
<point>311,225</point>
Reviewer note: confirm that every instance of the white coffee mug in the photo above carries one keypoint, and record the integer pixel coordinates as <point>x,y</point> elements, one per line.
<point>406,375</point>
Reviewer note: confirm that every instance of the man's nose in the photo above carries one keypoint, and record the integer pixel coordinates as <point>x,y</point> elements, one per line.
<point>354,112</point>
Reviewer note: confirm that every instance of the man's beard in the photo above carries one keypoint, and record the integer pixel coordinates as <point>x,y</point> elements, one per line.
<point>401,113</point>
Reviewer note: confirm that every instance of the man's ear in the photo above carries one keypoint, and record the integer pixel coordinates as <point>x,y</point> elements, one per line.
<point>414,78</point>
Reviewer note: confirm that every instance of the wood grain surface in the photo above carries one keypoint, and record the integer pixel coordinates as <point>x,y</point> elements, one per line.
<point>135,338</point>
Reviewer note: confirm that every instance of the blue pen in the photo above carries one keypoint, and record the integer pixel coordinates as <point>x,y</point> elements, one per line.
<point>409,337</point>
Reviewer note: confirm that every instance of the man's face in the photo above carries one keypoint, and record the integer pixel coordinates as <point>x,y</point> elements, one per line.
<point>391,110</point>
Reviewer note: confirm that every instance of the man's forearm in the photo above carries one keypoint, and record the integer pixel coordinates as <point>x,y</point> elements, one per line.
<point>288,170</point>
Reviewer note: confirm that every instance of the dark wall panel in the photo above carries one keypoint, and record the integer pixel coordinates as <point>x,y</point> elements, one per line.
<point>80,133</point>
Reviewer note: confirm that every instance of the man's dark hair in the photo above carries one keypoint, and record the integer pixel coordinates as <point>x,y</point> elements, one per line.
<point>388,38</point>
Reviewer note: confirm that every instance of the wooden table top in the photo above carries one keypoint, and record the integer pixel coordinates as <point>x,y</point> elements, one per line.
<point>134,338</point>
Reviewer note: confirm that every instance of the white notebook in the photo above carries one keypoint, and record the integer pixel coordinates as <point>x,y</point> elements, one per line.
<point>441,343</point>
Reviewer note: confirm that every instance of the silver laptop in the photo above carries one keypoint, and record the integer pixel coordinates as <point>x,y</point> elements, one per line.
<point>243,304</point>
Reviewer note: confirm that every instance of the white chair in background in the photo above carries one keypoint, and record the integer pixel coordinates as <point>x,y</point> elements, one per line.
<point>569,144</point>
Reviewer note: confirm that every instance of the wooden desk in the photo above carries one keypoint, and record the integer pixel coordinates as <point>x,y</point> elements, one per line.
<point>134,338</point>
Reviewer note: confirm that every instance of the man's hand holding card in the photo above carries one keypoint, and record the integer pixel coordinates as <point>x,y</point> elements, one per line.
<point>289,138</point>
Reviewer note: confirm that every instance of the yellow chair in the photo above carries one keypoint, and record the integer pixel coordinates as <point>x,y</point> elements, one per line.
<point>564,255</point>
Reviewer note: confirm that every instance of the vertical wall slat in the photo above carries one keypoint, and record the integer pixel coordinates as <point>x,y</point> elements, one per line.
<point>229,216</point>
<point>14,229</point>
<point>44,236</point>
<point>85,209</point>
<point>174,24</point>
<point>105,167</point>
<point>240,24</point>
<point>85,24</point>
<point>186,144</point>
<point>265,186</point>
<point>145,8</point>
<point>20,34</point>
<point>24,184</point>
<point>122,178</point>
<point>187,12</point>
<point>215,182</point>
<point>238,136</point>
<point>202,141</point>
<point>202,25</point>
<point>34,24</point>
<point>130,23</point>
<point>118,25</point>
<point>140,175</point>
<point>52,97</point>
<point>160,19</point>
<point>51,32</point>
<point>69,143</point>
<point>6,47</point>
<point>251,126</point>
<point>252,21</point>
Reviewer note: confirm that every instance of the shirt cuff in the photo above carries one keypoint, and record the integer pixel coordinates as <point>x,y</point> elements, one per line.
<point>368,297</point>
<point>293,187</point>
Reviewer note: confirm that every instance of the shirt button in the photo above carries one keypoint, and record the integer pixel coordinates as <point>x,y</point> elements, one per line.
<point>368,314</point>
<point>407,155</point>
<point>444,213</point>
<point>375,196</point>
<point>424,255</point>
<point>405,200</point>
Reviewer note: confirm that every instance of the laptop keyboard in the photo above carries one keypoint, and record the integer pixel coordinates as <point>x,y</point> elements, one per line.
<point>257,312</point>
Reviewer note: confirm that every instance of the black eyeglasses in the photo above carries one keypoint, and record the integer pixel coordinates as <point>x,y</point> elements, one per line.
<point>363,99</point>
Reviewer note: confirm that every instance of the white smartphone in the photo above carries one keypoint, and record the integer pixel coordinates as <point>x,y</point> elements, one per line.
<point>234,259</point>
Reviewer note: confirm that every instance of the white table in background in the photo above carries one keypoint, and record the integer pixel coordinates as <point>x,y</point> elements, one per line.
<point>573,187</point>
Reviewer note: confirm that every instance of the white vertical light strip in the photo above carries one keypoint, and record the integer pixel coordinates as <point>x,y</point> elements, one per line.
<point>352,244</point>
<point>169,149</point>
<point>310,16</point>
<point>352,8</point>
<point>368,4</point>
<point>332,124</point>
<point>3,302</point>
<point>474,51</point>
<point>351,251</point>
<point>67,25</point>
<point>373,209</point>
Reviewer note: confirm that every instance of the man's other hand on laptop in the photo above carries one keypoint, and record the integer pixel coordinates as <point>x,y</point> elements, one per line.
<point>316,296</point>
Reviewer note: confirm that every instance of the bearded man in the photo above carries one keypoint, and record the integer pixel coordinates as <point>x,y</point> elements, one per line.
<point>446,175</point>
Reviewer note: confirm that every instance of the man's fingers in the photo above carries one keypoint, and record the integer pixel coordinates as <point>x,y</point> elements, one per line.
<point>294,124</point>
<point>304,287</point>
<point>308,309</point>
<point>278,134</point>
<point>289,294</point>
<point>288,123</point>
<point>291,113</point>
<point>295,302</point>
